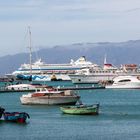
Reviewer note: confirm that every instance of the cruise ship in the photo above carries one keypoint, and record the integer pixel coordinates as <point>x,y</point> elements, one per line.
<point>46,72</point>
<point>41,71</point>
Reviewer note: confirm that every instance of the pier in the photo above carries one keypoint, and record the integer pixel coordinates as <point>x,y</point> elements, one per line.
<point>5,90</point>
<point>80,88</point>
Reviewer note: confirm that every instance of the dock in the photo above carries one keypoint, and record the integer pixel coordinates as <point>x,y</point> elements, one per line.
<point>7,91</point>
<point>4,90</point>
<point>80,88</point>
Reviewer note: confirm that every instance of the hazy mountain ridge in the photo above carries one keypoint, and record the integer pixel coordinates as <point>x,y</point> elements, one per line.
<point>117,54</point>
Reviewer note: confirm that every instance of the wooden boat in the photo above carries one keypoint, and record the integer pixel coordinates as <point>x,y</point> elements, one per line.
<point>50,97</point>
<point>81,109</point>
<point>19,117</point>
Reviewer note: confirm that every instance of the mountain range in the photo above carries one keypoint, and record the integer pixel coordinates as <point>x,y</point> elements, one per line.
<point>117,53</point>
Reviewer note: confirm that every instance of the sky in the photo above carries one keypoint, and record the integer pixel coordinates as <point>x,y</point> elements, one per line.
<point>62,22</point>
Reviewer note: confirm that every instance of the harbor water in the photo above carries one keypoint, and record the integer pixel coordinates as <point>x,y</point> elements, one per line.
<point>118,119</point>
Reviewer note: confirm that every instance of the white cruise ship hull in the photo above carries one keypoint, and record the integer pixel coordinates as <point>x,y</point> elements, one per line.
<point>47,100</point>
<point>63,77</point>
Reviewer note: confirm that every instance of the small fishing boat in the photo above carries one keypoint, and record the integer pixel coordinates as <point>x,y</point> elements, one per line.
<point>19,117</point>
<point>81,109</point>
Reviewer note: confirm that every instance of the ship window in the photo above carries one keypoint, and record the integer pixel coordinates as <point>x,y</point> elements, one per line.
<point>126,80</point>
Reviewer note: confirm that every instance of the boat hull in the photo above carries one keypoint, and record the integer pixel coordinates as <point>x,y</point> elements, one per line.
<point>134,85</point>
<point>49,100</point>
<point>19,117</point>
<point>80,110</point>
<point>43,77</point>
<point>97,77</point>
<point>84,79</point>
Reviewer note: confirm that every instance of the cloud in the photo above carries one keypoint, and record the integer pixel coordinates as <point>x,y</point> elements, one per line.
<point>67,21</point>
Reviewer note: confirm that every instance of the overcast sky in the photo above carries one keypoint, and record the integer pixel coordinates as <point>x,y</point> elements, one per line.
<point>58,22</point>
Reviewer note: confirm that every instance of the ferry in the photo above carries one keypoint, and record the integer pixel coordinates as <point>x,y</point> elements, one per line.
<point>102,74</point>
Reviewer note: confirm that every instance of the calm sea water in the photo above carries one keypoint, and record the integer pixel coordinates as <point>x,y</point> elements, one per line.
<point>119,118</point>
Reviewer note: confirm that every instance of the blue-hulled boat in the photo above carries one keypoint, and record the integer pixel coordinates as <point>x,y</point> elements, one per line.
<point>19,117</point>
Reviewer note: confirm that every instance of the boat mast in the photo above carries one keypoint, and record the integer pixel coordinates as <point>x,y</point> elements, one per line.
<point>105,62</point>
<point>30,49</point>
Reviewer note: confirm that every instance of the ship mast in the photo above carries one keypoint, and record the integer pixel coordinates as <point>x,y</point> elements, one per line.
<point>105,62</point>
<point>30,49</point>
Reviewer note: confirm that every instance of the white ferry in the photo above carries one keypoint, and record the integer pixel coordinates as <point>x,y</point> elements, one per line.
<point>102,74</point>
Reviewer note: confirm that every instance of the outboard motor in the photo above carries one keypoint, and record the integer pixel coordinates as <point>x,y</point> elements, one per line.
<point>1,111</point>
